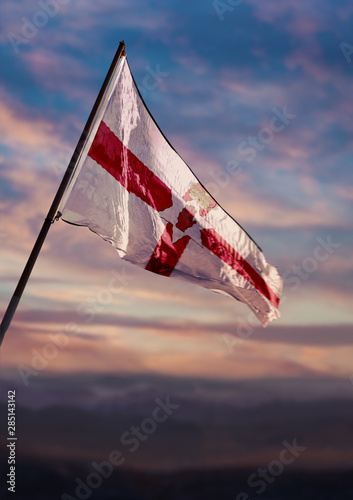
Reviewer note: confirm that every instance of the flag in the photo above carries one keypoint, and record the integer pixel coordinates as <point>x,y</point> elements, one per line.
<point>133,189</point>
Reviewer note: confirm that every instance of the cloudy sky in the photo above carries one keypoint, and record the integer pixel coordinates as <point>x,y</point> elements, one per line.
<point>215,76</point>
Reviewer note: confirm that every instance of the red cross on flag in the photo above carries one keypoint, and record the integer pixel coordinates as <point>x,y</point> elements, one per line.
<point>133,189</point>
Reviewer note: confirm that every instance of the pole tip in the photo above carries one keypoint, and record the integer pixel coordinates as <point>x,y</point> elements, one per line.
<point>123,52</point>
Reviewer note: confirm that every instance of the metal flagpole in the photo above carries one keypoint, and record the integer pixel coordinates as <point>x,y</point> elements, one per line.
<point>10,311</point>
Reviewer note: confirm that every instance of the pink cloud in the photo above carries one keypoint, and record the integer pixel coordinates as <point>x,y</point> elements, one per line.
<point>303,18</point>
<point>114,350</point>
<point>250,207</point>
<point>22,132</point>
<point>345,192</point>
<point>309,62</point>
<point>302,22</point>
<point>59,72</point>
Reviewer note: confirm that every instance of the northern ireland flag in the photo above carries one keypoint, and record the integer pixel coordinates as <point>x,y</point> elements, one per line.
<point>134,190</point>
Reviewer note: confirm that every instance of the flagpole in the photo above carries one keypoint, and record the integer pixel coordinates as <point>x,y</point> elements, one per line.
<point>10,311</point>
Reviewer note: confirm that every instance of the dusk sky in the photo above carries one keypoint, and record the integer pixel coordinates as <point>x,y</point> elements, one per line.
<point>215,76</point>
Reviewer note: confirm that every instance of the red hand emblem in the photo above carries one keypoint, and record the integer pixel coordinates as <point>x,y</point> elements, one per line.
<point>185,219</point>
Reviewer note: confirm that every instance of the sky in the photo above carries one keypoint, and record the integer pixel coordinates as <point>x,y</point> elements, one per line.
<point>215,76</point>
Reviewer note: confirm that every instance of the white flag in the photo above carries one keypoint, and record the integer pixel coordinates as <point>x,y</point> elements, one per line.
<point>133,189</point>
